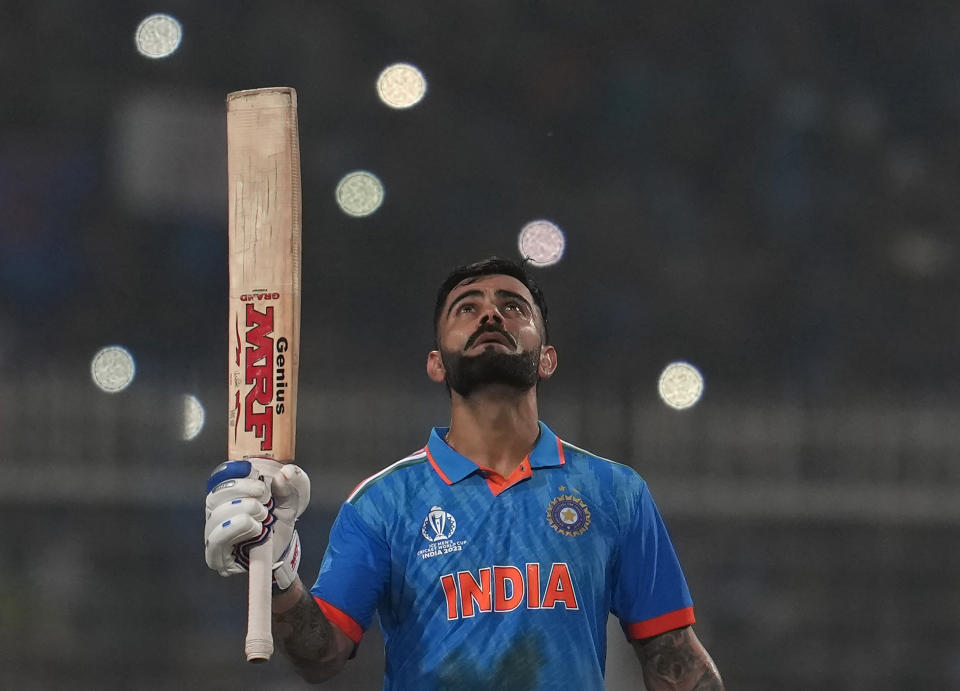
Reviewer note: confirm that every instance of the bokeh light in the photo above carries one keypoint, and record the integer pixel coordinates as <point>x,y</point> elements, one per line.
<point>680,385</point>
<point>401,86</point>
<point>359,193</point>
<point>158,36</point>
<point>112,368</point>
<point>193,417</point>
<point>541,242</point>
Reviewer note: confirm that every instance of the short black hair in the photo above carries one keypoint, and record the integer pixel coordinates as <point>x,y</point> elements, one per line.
<point>487,267</point>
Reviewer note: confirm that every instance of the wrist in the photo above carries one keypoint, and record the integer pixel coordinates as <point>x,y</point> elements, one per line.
<point>285,570</point>
<point>287,598</point>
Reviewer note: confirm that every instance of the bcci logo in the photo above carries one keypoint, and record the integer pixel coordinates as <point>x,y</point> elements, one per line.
<point>568,515</point>
<point>438,525</point>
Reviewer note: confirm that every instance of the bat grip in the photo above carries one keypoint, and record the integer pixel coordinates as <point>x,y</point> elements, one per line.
<point>259,643</point>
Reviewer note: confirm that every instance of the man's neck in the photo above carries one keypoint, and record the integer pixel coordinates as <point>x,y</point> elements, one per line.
<point>495,428</point>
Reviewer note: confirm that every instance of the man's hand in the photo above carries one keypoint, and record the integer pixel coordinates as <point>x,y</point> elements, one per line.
<point>677,661</point>
<point>246,500</point>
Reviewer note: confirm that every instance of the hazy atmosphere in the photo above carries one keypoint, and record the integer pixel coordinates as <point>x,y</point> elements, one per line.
<point>766,192</point>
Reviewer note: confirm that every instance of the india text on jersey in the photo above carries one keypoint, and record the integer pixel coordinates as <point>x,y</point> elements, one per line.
<point>505,588</point>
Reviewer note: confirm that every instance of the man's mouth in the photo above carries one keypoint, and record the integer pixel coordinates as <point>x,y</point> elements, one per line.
<point>492,337</point>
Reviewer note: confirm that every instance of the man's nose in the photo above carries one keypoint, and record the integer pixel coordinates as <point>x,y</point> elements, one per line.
<point>490,312</point>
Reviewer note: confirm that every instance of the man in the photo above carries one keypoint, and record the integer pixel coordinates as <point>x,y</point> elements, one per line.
<point>493,555</point>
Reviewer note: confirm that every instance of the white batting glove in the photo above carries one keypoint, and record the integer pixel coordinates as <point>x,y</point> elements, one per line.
<point>246,500</point>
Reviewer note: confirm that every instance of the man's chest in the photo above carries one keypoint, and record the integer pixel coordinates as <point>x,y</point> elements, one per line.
<point>539,546</point>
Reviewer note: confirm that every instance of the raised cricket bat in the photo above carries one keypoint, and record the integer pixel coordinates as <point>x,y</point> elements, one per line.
<point>263,170</point>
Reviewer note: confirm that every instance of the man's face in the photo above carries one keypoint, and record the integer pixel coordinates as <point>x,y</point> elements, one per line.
<point>490,333</point>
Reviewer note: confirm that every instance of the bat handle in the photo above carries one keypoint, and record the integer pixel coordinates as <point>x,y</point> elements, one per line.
<point>259,643</point>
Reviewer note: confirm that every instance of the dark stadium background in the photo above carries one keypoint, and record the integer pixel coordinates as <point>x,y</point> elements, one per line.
<point>765,190</point>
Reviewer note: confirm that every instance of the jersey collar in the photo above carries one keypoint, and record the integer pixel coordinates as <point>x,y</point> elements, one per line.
<point>452,467</point>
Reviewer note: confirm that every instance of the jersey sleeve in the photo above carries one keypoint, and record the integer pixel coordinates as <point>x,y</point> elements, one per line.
<point>353,574</point>
<point>650,594</point>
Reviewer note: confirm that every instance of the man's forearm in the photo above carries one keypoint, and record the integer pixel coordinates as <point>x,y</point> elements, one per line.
<point>677,661</point>
<point>305,634</point>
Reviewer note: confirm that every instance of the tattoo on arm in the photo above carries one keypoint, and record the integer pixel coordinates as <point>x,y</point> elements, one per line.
<point>677,661</point>
<point>302,631</point>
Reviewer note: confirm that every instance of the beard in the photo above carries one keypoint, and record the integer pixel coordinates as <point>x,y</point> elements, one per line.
<point>469,373</point>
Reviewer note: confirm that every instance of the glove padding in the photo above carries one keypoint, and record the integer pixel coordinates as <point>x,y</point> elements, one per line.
<point>246,500</point>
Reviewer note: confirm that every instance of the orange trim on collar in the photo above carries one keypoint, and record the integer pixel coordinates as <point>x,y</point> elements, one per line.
<point>498,483</point>
<point>436,466</point>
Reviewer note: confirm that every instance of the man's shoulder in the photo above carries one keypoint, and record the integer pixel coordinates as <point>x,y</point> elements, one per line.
<point>581,457</point>
<point>390,476</point>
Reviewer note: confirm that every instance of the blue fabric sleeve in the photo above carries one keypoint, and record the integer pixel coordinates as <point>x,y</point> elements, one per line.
<point>648,580</point>
<point>356,567</point>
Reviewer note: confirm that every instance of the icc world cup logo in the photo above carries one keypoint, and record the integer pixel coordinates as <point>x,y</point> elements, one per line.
<point>438,525</point>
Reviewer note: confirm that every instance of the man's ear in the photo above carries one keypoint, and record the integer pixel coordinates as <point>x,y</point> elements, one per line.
<point>548,362</point>
<point>435,369</point>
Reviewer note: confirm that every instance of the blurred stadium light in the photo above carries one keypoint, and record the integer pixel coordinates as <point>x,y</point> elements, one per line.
<point>194,417</point>
<point>401,86</point>
<point>542,243</point>
<point>359,193</point>
<point>112,368</point>
<point>158,36</point>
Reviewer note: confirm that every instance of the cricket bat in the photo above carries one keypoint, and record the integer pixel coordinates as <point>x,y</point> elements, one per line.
<point>263,171</point>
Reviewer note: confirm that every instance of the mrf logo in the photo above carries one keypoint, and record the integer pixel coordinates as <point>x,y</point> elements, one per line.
<point>505,588</point>
<point>258,359</point>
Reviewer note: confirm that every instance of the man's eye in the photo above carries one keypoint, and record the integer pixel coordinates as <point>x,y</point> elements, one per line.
<point>465,308</point>
<point>514,306</point>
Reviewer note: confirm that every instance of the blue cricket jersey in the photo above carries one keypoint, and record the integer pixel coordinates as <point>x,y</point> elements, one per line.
<point>485,582</point>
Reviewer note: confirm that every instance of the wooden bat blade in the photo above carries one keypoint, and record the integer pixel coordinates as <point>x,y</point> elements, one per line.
<point>263,165</point>
<point>263,171</point>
